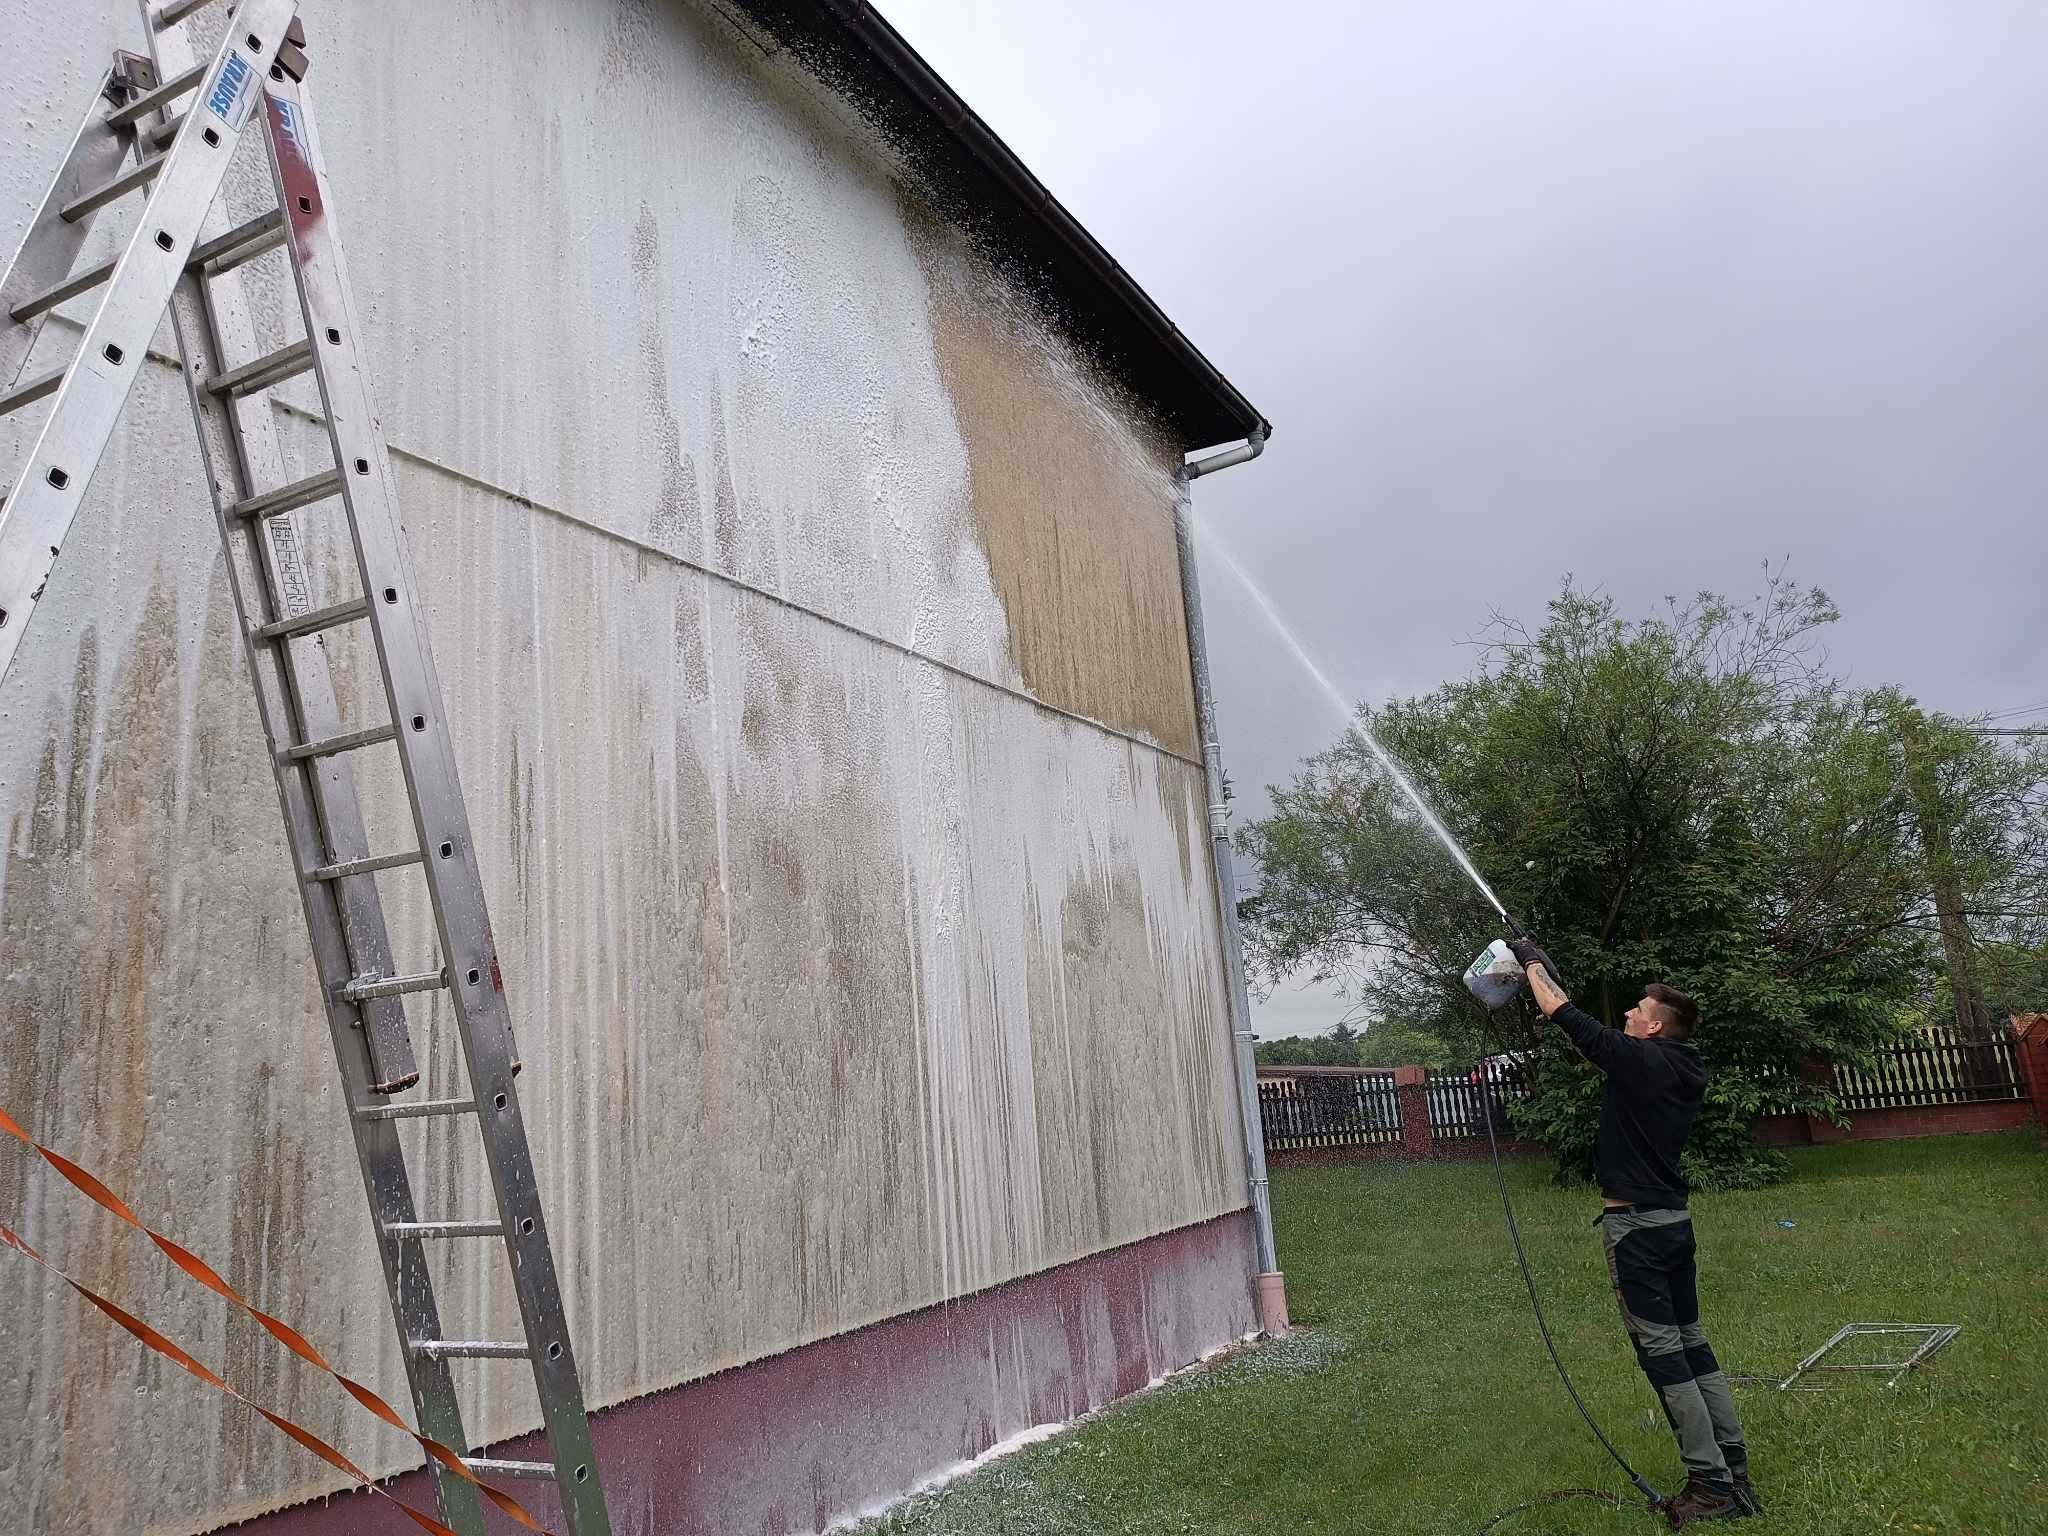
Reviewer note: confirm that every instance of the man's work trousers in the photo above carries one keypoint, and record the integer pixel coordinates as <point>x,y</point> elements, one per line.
<point>1651,1259</point>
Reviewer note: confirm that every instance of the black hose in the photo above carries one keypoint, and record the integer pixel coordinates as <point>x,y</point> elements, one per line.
<point>1507,1206</point>
<point>1556,1496</point>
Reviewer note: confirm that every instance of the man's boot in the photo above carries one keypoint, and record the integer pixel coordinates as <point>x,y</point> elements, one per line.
<point>1697,1502</point>
<point>1747,1502</point>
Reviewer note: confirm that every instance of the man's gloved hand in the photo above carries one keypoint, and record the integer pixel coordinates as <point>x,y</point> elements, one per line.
<point>1529,952</point>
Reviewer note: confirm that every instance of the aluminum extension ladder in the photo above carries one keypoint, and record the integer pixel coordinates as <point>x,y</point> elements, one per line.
<point>182,152</point>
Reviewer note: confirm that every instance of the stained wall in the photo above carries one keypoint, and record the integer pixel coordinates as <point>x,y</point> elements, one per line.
<point>807,616</point>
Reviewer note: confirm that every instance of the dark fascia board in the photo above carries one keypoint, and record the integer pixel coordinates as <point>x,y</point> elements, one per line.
<point>980,184</point>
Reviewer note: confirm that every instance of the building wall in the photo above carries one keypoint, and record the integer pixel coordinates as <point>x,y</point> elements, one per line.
<point>807,616</point>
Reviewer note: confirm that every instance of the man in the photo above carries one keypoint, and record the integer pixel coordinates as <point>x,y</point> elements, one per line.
<point>1655,1082</point>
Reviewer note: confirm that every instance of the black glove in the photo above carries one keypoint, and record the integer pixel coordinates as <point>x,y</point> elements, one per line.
<point>1529,953</point>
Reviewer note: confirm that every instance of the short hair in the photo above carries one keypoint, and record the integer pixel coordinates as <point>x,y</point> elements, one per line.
<point>1681,1013</point>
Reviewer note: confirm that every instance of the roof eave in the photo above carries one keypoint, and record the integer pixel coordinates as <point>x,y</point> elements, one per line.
<point>1204,406</point>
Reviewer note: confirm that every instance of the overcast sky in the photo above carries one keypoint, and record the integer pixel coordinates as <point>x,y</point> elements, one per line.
<point>1646,292</point>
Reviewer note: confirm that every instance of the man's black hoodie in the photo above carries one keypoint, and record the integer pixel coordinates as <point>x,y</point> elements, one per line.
<point>1654,1088</point>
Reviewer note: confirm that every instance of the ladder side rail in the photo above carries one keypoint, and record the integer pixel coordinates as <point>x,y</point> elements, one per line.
<point>476,989</point>
<point>50,245</point>
<point>243,434</point>
<point>249,448</point>
<point>240,451</point>
<point>51,484</point>
<point>283,692</point>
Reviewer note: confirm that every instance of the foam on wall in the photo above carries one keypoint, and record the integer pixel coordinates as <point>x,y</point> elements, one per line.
<point>847,977</point>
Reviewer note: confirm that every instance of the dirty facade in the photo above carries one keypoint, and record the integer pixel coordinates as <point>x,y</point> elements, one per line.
<point>807,607</point>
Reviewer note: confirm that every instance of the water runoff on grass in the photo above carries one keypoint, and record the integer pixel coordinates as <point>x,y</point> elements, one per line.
<point>1352,719</point>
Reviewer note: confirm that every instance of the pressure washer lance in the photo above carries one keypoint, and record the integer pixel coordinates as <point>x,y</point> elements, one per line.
<point>1494,978</point>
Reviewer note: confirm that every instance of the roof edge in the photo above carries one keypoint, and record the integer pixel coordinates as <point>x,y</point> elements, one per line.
<point>1208,408</point>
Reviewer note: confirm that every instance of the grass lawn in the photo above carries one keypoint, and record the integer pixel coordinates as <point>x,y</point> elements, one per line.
<point>1416,1398</point>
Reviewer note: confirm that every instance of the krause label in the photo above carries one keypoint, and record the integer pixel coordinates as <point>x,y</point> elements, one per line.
<point>233,90</point>
<point>294,128</point>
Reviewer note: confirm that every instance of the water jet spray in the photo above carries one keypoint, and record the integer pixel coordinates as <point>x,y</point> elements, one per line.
<point>1494,978</point>
<point>1385,758</point>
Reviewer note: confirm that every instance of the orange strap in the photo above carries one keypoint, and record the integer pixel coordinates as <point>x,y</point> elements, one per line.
<point>283,1332</point>
<point>163,1346</point>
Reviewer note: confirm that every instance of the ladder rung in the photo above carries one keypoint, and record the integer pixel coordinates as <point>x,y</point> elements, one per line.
<point>149,101</point>
<point>444,1229</point>
<point>70,288</point>
<point>486,1466</point>
<point>171,12</point>
<point>161,134</point>
<point>368,866</point>
<point>314,620</point>
<point>347,741</point>
<point>135,176</point>
<point>245,242</point>
<point>264,371</point>
<point>289,498</point>
<point>417,1110</point>
<point>34,389</point>
<point>472,1349</point>
<point>365,988</point>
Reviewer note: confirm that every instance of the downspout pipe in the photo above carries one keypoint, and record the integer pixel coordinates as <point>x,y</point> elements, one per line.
<point>1272,1288</point>
<point>1243,453</point>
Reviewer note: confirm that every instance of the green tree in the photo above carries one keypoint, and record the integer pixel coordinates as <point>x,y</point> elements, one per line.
<point>1338,1048</point>
<point>1399,1043</point>
<point>2013,979</point>
<point>1979,814</point>
<point>1382,1043</point>
<point>1691,797</point>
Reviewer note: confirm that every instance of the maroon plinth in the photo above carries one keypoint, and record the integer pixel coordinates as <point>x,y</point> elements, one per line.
<point>794,1442</point>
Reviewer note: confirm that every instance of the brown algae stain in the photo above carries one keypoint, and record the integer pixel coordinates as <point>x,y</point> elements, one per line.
<point>1077,526</point>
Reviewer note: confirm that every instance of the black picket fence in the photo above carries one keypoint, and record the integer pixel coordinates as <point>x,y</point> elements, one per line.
<point>1318,1107</point>
<point>1460,1102</point>
<point>1305,1108</point>
<point>1936,1066</point>
<point>1329,1107</point>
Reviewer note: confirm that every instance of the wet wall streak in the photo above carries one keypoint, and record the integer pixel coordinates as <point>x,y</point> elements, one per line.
<point>845,984</point>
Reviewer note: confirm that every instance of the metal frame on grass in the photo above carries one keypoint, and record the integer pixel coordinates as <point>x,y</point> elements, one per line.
<point>1932,1336</point>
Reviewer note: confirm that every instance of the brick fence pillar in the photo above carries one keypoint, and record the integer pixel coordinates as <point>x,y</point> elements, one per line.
<point>1819,1073</point>
<point>2030,1031</point>
<point>1416,1142</point>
